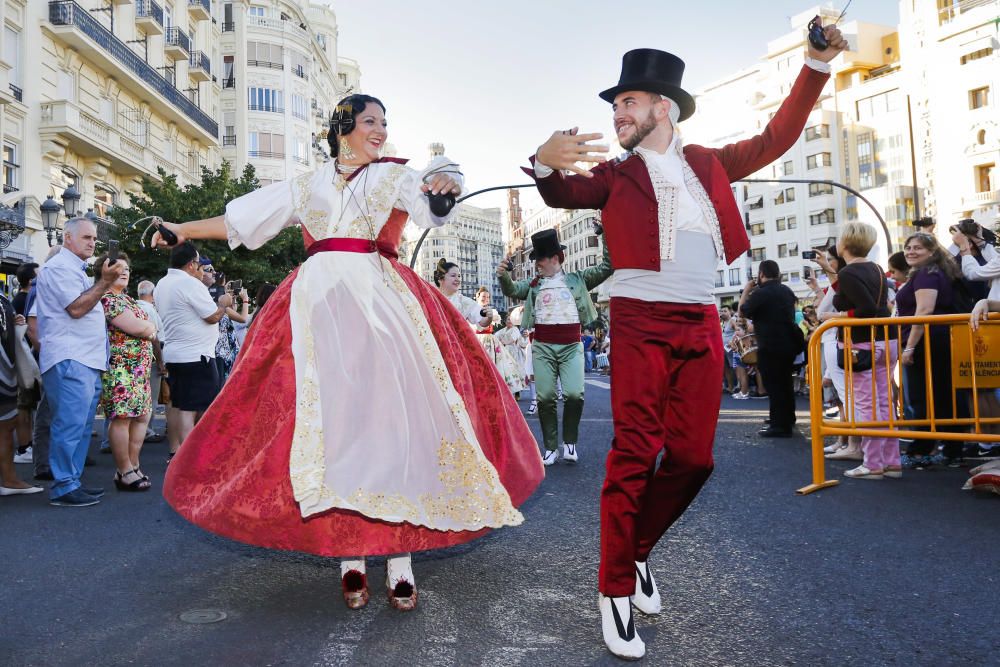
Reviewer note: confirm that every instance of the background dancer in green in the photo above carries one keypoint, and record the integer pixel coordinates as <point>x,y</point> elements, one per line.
<point>556,304</point>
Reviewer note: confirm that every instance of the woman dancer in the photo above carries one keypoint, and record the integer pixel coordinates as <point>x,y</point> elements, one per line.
<point>512,372</point>
<point>384,430</point>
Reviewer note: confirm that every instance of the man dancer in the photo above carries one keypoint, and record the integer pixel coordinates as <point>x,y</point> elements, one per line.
<point>556,304</point>
<point>669,215</point>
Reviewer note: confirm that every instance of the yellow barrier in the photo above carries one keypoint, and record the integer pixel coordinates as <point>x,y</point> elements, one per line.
<point>896,426</point>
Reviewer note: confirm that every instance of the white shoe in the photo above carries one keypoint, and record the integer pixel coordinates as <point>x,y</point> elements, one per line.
<point>647,597</point>
<point>550,456</point>
<point>740,396</point>
<point>5,491</point>
<point>618,628</point>
<point>569,453</point>
<point>26,457</point>
<point>533,408</point>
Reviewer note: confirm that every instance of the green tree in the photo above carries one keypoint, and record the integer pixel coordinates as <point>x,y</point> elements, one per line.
<point>165,198</point>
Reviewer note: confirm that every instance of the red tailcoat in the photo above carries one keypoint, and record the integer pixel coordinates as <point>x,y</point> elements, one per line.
<point>624,192</point>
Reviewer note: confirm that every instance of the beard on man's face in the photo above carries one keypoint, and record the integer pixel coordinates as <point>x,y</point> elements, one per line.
<point>642,130</point>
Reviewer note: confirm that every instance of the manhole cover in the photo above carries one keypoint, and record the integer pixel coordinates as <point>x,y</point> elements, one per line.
<point>202,616</point>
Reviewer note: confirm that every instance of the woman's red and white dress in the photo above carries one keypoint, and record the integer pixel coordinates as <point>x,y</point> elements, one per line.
<point>362,416</point>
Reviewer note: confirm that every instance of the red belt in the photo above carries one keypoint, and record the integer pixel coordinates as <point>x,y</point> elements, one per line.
<point>353,245</point>
<point>557,334</point>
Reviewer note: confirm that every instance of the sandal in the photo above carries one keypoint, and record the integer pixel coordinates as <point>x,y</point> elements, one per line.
<point>861,472</point>
<point>137,484</point>
<point>894,472</point>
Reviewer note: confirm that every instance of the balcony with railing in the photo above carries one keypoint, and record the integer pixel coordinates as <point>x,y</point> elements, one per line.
<point>274,108</point>
<point>7,189</point>
<point>229,83</point>
<point>229,27</point>
<point>176,44</point>
<point>78,28</point>
<point>956,9</point>
<point>265,63</point>
<point>149,17</point>
<point>200,10</point>
<point>266,154</point>
<point>278,25</point>
<point>981,200</point>
<point>229,140</point>
<point>17,93</point>
<point>300,72</point>
<point>199,66</point>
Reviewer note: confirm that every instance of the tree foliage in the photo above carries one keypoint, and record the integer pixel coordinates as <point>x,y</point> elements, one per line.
<point>165,198</point>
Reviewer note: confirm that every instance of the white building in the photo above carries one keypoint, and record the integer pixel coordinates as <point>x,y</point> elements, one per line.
<point>281,77</point>
<point>97,94</point>
<point>952,69</point>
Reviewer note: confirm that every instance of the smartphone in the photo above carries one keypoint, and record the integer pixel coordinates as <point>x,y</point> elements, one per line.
<point>749,273</point>
<point>510,265</point>
<point>806,272</point>
<point>808,254</point>
<point>237,286</point>
<point>112,252</point>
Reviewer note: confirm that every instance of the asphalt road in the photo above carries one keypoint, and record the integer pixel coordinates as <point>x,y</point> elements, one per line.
<point>867,573</point>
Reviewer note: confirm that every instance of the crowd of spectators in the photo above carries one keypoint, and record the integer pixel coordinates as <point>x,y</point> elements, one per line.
<point>926,278</point>
<point>74,344</point>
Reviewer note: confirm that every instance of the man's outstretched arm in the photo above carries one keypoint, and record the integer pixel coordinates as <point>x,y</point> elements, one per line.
<point>563,151</point>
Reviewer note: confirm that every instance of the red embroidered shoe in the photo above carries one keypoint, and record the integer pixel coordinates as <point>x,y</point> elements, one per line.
<point>402,596</point>
<point>355,586</point>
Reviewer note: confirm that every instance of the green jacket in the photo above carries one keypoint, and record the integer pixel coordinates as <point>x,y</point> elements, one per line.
<point>579,282</point>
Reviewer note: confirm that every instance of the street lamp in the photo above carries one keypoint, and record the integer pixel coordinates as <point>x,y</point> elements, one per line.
<point>71,199</point>
<point>50,217</point>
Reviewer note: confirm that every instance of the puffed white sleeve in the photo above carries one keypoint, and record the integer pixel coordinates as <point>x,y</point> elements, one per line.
<point>257,217</point>
<point>414,201</point>
<point>470,311</point>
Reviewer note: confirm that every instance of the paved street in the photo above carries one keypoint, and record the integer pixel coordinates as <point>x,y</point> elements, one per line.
<point>896,572</point>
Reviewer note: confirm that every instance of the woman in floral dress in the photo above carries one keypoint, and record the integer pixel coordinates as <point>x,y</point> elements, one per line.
<point>126,398</point>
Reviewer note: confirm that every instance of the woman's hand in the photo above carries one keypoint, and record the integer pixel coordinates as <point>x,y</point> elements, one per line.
<point>907,357</point>
<point>244,295</point>
<point>962,241</point>
<point>19,320</point>
<point>979,314</point>
<point>442,184</point>
<point>158,242</point>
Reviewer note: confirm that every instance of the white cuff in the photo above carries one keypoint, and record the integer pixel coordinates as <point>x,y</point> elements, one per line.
<point>541,170</point>
<point>818,65</point>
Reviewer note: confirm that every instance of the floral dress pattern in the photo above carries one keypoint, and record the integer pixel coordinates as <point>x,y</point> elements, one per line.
<point>125,385</point>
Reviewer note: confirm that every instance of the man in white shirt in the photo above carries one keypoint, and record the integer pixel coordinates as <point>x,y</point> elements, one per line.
<point>190,318</point>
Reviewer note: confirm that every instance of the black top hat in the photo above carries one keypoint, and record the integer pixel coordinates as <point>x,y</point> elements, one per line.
<point>545,244</point>
<point>653,71</point>
<point>924,222</point>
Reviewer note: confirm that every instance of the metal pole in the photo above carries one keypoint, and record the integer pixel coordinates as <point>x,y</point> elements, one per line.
<point>420,241</point>
<point>885,228</point>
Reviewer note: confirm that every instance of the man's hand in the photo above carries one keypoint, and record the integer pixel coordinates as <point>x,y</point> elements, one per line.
<point>157,240</point>
<point>566,148</point>
<point>111,272</point>
<point>20,321</point>
<point>225,301</point>
<point>836,42</point>
<point>962,241</point>
<point>749,287</point>
<point>502,269</point>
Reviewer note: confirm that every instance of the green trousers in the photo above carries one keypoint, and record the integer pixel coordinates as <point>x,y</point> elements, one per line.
<point>565,363</point>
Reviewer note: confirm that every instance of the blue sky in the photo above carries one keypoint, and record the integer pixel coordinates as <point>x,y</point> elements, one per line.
<point>492,80</point>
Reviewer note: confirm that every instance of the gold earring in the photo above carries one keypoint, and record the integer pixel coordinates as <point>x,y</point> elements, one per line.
<point>345,150</point>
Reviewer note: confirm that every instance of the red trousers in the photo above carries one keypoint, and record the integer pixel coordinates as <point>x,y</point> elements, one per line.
<point>666,376</point>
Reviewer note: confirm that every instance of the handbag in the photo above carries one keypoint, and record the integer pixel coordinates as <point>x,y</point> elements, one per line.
<point>861,360</point>
<point>28,373</point>
<point>164,391</point>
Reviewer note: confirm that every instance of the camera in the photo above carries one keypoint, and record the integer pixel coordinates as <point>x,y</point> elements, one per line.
<point>973,230</point>
<point>485,312</point>
<point>809,254</point>
<point>806,272</point>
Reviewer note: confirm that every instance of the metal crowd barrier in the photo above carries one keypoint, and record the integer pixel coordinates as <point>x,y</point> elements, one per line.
<point>979,350</point>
